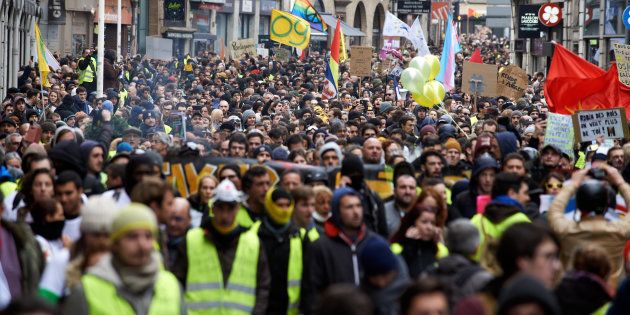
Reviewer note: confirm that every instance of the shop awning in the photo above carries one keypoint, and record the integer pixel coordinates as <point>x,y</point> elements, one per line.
<point>111,10</point>
<point>348,30</point>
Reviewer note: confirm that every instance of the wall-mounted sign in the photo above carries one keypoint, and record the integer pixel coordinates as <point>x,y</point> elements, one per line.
<point>56,12</point>
<point>550,14</point>
<point>528,24</point>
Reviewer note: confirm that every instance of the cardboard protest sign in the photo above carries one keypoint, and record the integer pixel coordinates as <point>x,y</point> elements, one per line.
<point>264,52</point>
<point>609,123</point>
<point>361,61</point>
<point>622,56</point>
<point>281,54</point>
<point>512,82</point>
<point>559,132</point>
<point>479,79</point>
<point>240,47</point>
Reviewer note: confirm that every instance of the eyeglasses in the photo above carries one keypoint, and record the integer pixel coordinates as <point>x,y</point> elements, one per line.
<point>552,186</point>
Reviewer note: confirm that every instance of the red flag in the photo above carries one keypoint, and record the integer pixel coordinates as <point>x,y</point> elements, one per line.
<point>575,84</point>
<point>476,56</point>
<point>471,12</point>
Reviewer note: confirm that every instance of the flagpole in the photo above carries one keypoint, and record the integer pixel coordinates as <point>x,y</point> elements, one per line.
<point>101,48</point>
<point>41,91</point>
<point>118,31</point>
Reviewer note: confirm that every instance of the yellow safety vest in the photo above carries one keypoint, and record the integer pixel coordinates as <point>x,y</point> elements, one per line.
<point>442,250</point>
<point>294,278</point>
<point>187,64</point>
<point>205,292</point>
<point>491,232</point>
<point>87,75</point>
<point>8,187</point>
<point>243,218</point>
<point>122,97</point>
<point>311,233</point>
<point>102,297</point>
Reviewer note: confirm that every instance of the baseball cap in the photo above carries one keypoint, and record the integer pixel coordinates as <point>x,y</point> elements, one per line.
<point>226,192</point>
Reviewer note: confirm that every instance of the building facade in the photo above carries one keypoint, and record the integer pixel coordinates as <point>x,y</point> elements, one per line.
<point>17,37</point>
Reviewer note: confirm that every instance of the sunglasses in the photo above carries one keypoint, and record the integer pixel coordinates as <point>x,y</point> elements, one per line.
<point>552,186</point>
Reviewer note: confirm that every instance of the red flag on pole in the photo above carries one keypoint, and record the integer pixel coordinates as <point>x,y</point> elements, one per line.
<point>476,56</point>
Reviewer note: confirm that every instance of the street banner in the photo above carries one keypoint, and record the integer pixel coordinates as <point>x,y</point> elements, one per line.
<point>609,123</point>
<point>512,82</point>
<point>240,47</point>
<point>479,79</point>
<point>184,173</point>
<point>559,132</point>
<point>361,61</point>
<point>288,29</point>
<point>622,56</point>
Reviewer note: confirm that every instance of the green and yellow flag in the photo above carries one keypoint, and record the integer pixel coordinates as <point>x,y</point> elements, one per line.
<point>45,59</point>
<point>289,29</point>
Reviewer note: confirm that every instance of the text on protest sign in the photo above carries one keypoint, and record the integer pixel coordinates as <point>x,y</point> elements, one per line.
<point>622,56</point>
<point>479,79</point>
<point>361,61</point>
<point>609,123</point>
<point>512,82</point>
<point>559,132</point>
<point>239,48</point>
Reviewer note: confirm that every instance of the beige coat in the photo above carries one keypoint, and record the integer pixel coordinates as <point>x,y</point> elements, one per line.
<point>610,236</point>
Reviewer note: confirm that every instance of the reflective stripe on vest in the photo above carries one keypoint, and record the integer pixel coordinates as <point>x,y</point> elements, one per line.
<point>102,297</point>
<point>294,274</point>
<point>205,292</point>
<point>87,75</point>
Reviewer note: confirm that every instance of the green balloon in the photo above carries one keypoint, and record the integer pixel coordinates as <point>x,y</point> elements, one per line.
<point>421,64</point>
<point>412,80</point>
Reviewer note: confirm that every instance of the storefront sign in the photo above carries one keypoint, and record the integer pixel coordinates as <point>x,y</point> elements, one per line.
<point>607,123</point>
<point>415,6</point>
<point>179,35</point>
<point>626,17</point>
<point>550,14</point>
<point>56,12</point>
<point>174,11</point>
<point>528,24</point>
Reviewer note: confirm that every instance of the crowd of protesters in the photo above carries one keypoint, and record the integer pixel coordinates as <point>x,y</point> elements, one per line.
<point>91,225</point>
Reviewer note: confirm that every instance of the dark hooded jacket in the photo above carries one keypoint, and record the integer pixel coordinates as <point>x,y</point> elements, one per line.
<point>67,107</point>
<point>582,293</point>
<point>333,258</point>
<point>67,155</point>
<point>466,202</point>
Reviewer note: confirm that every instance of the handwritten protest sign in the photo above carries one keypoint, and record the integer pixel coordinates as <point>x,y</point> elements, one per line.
<point>609,123</point>
<point>512,82</point>
<point>264,52</point>
<point>559,132</point>
<point>622,55</point>
<point>479,79</point>
<point>361,61</point>
<point>240,47</point>
<point>281,54</point>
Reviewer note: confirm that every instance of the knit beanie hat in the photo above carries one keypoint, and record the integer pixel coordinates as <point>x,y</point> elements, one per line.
<point>426,129</point>
<point>98,214</point>
<point>451,143</point>
<point>376,257</point>
<point>132,217</point>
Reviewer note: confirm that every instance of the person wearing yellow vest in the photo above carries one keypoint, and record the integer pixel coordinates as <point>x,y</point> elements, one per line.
<point>87,71</point>
<point>304,198</point>
<point>129,280</point>
<point>188,64</point>
<point>418,237</point>
<point>509,193</point>
<point>283,246</point>
<point>256,182</point>
<point>225,270</point>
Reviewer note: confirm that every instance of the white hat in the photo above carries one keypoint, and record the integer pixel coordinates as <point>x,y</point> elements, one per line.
<point>226,192</point>
<point>98,214</point>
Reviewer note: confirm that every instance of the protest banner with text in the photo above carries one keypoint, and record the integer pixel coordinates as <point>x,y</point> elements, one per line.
<point>512,82</point>
<point>559,132</point>
<point>622,56</point>
<point>479,79</point>
<point>240,47</point>
<point>361,61</point>
<point>608,123</point>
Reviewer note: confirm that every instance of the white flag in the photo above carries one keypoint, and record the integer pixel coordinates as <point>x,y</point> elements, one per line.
<point>393,26</point>
<point>417,38</point>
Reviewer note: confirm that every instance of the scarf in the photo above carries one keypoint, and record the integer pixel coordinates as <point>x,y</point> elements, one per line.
<point>137,279</point>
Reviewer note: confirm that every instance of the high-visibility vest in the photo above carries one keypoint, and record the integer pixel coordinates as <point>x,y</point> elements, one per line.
<point>442,250</point>
<point>102,296</point>
<point>205,291</point>
<point>294,274</point>
<point>243,218</point>
<point>311,233</point>
<point>87,75</point>
<point>187,64</point>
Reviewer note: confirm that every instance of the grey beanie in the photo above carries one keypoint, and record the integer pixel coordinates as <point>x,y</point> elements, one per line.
<point>462,237</point>
<point>385,107</point>
<point>248,113</point>
<point>331,146</point>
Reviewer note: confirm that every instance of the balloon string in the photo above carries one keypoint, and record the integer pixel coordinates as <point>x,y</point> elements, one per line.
<point>453,120</point>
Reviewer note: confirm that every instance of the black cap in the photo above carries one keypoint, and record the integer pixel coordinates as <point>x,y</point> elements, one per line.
<point>8,121</point>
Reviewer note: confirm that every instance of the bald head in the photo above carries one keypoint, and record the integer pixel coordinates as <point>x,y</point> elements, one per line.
<point>372,151</point>
<point>178,218</point>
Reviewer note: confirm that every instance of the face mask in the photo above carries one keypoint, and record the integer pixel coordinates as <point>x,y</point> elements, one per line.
<point>50,230</point>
